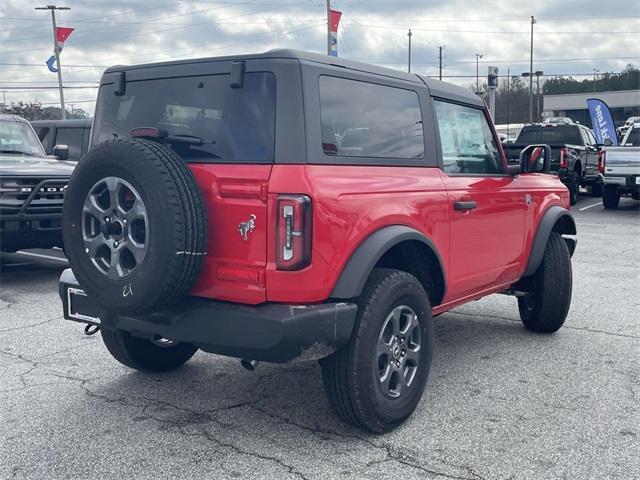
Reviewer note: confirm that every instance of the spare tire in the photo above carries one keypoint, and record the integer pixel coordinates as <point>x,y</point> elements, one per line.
<point>134,226</point>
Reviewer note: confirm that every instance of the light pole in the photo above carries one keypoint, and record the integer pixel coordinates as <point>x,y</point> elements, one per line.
<point>595,78</point>
<point>409,35</point>
<point>533,21</point>
<point>56,52</point>
<point>478,57</point>
<point>538,74</point>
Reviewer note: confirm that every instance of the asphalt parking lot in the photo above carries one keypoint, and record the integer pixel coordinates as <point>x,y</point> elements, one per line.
<point>501,403</point>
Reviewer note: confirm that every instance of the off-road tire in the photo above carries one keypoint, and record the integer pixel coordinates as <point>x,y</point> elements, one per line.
<point>177,225</point>
<point>573,184</point>
<point>546,308</point>
<point>611,197</point>
<point>635,195</point>
<point>142,354</point>
<point>349,375</point>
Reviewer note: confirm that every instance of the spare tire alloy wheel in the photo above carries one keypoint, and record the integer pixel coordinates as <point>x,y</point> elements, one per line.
<point>115,227</point>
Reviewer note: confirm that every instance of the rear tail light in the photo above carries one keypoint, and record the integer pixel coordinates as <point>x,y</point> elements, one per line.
<point>293,233</point>
<point>564,157</point>
<point>602,159</point>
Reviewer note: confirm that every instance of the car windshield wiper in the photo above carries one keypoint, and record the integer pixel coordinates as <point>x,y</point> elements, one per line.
<point>7,150</point>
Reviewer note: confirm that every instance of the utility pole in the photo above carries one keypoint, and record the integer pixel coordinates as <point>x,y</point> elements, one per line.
<point>478,57</point>
<point>440,62</point>
<point>595,78</point>
<point>4,101</point>
<point>328,27</point>
<point>533,21</point>
<point>56,52</point>
<point>409,65</point>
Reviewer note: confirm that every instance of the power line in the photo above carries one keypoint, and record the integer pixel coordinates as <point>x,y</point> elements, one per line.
<point>138,34</point>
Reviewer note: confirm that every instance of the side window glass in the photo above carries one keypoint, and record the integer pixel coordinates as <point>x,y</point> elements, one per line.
<point>44,134</point>
<point>468,145</point>
<point>71,137</point>
<point>361,119</point>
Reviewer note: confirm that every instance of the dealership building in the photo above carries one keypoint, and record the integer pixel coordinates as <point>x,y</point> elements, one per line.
<point>623,104</point>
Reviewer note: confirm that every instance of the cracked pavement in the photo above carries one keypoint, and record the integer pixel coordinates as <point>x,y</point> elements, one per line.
<point>501,403</point>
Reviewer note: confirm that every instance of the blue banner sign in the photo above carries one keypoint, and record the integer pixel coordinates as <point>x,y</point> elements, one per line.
<point>602,122</point>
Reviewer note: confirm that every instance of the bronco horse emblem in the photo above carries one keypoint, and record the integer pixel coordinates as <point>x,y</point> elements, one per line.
<point>247,227</point>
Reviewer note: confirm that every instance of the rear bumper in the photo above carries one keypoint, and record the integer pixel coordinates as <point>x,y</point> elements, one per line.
<point>270,332</point>
<point>627,183</point>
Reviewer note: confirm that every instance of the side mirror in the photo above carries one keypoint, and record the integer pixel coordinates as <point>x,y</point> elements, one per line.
<point>607,142</point>
<point>61,152</point>
<point>535,159</point>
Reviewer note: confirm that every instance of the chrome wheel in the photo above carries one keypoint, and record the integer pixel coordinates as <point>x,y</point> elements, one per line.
<point>115,227</point>
<point>398,351</point>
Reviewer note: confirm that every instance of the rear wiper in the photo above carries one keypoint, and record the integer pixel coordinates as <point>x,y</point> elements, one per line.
<point>188,139</point>
<point>161,134</point>
<point>17,151</point>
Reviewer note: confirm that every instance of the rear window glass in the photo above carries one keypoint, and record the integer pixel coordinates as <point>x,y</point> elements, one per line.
<point>569,134</point>
<point>633,138</point>
<point>361,119</point>
<point>71,137</point>
<point>235,124</point>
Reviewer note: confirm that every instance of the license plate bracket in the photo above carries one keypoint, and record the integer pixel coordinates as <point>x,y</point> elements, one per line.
<point>80,308</point>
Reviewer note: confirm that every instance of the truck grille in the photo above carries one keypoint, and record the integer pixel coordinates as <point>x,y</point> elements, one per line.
<point>31,194</point>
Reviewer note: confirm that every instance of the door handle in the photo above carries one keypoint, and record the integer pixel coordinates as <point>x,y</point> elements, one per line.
<point>468,205</point>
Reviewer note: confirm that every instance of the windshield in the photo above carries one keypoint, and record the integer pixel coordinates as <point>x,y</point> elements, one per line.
<point>18,138</point>
<point>226,124</point>
<point>569,134</point>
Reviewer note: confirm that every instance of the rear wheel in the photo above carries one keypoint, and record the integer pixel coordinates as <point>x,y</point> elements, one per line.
<point>611,197</point>
<point>635,195</point>
<point>377,380</point>
<point>159,355</point>
<point>545,307</point>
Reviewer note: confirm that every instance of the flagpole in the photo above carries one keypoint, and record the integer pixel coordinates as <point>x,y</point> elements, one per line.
<point>328,27</point>
<point>56,52</point>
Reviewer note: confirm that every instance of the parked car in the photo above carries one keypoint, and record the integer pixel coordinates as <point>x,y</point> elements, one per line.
<point>31,188</point>
<point>508,133</point>
<point>623,129</point>
<point>575,157</point>
<point>74,133</point>
<point>218,210</point>
<point>622,169</point>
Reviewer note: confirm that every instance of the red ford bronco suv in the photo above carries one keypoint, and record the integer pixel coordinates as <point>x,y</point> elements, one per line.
<point>290,206</point>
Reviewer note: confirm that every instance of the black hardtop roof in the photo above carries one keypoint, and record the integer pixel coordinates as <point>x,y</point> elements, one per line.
<point>436,87</point>
<point>71,122</point>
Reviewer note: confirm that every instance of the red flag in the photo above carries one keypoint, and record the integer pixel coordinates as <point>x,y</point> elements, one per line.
<point>62,33</point>
<point>334,20</point>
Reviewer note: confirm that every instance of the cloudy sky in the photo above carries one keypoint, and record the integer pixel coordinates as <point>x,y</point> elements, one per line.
<point>571,36</point>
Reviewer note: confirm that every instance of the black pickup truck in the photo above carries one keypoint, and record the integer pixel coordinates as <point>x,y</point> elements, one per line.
<point>575,157</point>
<point>32,187</point>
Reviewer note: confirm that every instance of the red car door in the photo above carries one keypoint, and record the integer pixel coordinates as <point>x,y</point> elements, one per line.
<point>487,207</point>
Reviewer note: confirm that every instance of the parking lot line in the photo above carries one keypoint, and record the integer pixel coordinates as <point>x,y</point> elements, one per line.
<point>594,205</point>
<point>40,255</point>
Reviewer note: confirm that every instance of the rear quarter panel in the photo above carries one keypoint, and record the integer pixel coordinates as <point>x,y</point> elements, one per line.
<point>349,204</point>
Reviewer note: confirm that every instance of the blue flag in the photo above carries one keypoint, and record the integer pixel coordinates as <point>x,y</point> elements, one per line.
<point>50,62</point>
<point>602,121</point>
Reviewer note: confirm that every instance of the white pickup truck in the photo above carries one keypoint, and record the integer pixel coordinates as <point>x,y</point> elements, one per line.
<point>622,169</point>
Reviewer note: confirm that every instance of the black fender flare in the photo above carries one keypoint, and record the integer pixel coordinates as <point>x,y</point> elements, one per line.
<point>549,220</point>
<point>357,270</point>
